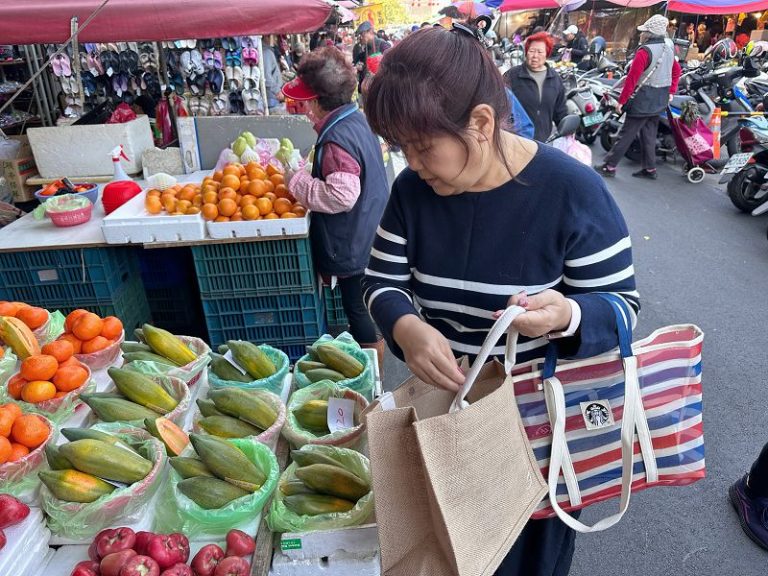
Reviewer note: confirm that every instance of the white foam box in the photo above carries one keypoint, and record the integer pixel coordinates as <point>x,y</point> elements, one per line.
<point>344,552</point>
<point>132,224</point>
<point>79,151</point>
<point>259,228</point>
<point>27,544</point>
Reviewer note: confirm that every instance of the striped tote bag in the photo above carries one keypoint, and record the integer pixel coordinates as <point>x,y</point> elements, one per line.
<point>614,424</point>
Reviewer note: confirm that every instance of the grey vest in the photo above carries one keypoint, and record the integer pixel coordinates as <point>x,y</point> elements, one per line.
<point>653,95</point>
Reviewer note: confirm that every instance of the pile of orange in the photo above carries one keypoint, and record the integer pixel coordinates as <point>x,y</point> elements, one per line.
<point>88,333</point>
<point>52,374</point>
<point>20,433</point>
<point>239,192</point>
<point>30,315</point>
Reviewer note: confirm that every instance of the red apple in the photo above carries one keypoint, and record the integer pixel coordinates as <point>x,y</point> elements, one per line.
<point>178,570</point>
<point>240,544</point>
<point>86,568</point>
<point>142,539</point>
<point>112,564</point>
<point>115,540</point>
<point>205,561</point>
<point>233,566</point>
<point>11,511</point>
<point>140,566</point>
<point>168,549</point>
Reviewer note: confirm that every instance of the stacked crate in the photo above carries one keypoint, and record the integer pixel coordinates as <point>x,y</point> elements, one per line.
<point>105,281</point>
<point>263,292</point>
<point>334,310</point>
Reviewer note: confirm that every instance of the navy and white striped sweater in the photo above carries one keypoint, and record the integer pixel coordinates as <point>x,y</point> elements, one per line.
<point>455,260</point>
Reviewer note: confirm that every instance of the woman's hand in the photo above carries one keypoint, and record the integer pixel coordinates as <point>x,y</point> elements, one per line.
<point>427,353</point>
<point>546,312</point>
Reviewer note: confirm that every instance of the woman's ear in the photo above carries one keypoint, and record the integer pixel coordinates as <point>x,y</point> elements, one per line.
<point>482,121</point>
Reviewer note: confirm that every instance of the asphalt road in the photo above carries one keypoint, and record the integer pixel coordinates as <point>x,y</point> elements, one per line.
<point>697,260</point>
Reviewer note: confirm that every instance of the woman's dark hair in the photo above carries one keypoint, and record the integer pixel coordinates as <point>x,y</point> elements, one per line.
<point>430,83</point>
<point>327,72</point>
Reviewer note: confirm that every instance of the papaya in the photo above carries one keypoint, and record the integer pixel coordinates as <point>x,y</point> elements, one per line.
<point>307,458</point>
<point>166,344</point>
<point>139,333</point>
<point>173,437</point>
<point>245,405</point>
<point>19,337</point>
<point>130,347</point>
<point>252,359</point>
<point>227,462</point>
<point>293,487</point>
<point>111,409</point>
<point>56,461</point>
<point>228,427</point>
<point>305,365</point>
<point>333,481</point>
<point>208,408</point>
<point>106,461</point>
<point>314,504</point>
<point>143,356</point>
<point>210,493</point>
<point>318,374</point>
<point>75,486</point>
<point>313,416</point>
<point>336,359</point>
<point>223,349</point>
<point>189,467</point>
<point>312,353</point>
<point>143,390</point>
<point>73,434</point>
<point>224,370</point>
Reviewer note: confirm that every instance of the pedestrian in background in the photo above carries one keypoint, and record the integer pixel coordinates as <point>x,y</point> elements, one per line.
<point>538,87</point>
<point>749,497</point>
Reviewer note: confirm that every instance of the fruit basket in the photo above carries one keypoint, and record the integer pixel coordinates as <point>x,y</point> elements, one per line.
<point>66,210</point>
<point>19,477</point>
<point>71,217</point>
<point>82,189</point>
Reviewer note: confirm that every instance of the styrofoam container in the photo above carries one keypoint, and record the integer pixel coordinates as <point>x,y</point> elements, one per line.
<point>24,540</point>
<point>79,151</point>
<point>259,228</point>
<point>132,224</point>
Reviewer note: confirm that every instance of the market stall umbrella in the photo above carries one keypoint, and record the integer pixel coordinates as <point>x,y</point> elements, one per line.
<point>717,6</point>
<point>511,5</point>
<point>48,21</point>
<point>472,9</point>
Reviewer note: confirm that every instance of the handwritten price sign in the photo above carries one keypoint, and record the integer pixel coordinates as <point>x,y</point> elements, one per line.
<point>341,414</point>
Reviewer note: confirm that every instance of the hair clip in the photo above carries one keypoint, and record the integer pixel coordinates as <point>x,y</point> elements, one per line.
<point>468,30</point>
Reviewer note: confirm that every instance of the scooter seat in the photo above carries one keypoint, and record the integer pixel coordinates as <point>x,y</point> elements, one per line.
<point>678,100</point>
<point>607,81</point>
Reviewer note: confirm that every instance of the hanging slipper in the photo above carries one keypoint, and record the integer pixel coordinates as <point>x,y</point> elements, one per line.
<point>74,85</point>
<point>66,66</point>
<point>197,62</point>
<point>216,80</point>
<point>252,102</point>
<point>205,106</point>
<point>110,60</point>
<point>218,59</point>
<point>236,83</point>
<point>186,65</point>
<point>220,105</point>
<point>208,59</point>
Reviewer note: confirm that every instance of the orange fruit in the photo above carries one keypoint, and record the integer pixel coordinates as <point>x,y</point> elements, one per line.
<point>70,378</point>
<point>247,201</point>
<point>272,170</point>
<point>281,191</point>
<point>9,308</point>
<point>282,205</point>
<point>193,210</point>
<point>40,367</point>
<point>227,193</point>
<point>227,207</point>
<point>231,181</point>
<point>77,344</point>
<point>210,211</point>
<point>71,362</point>
<point>154,192</point>
<point>37,391</point>
<point>288,215</point>
<point>30,430</point>
<point>259,174</point>
<point>153,205</point>
<point>183,206</point>
<point>33,317</point>
<point>14,409</point>
<point>18,451</point>
<point>112,328</point>
<point>6,422</point>
<point>210,198</point>
<point>241,168</point>
<point>244,183</point>
<point>277,179</point>
<point>170,205</point>
<point>271,216</point>
<point>238,199</point>
<point>299,210</point>
<point>187,194</point>
<point>197,201</point>
<point>270,196</point>
<point>257,188</point>
<point>222,219</point>
<point>71,317</point>
<point>269,185</point>
<point>236,218</point>
<point>88,326</point>
<point>217,176</point>
<point>60,394</point>
<point>231,170</point>
<point>264,206</point>
<point>250,212</point>
<point>62,350</point>
<point>95,344</point>
<point>15,386</point>
<point>5,450</point>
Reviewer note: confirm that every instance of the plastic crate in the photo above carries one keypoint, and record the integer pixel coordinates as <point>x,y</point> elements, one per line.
<point>269,267</point>
<point>129,304</point>
<point>334,309</point>
<point>177,310</point>
<point>70,276</point>
<point>273,320</point>
<point>163,268</point>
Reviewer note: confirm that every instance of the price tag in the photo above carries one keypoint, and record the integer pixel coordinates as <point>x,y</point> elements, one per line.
<point>341,414</point>
<point>229,358</point>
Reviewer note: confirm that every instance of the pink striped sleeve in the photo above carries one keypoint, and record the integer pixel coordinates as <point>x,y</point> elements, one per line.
<point>340,189</point>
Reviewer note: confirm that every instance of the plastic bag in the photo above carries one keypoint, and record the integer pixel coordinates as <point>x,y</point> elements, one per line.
<point>52,329</point>
<point>177,388</point>
<point>9,149</point>
<point>122,114</point>
<point>103,358</point>
<point>57,410</point>
<point>574,149</point>
<point>63,203</point>
<point>298,436</point>
<point>20,478</point>
<point>180,514</point>
<point>122,507</point>
<point>272,384</point>
<point>269,436</point>
<point>190,373</point>
<point>7,367</point>
<point>281,519</point>
<point>362,384</point>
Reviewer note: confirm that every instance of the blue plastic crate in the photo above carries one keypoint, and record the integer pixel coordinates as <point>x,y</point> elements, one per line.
<point>334,309</point>
<point>163,268</point>
<point>270,267</point>
<point>177,310</point>
<point>273,320</point>
<point>76,276</point>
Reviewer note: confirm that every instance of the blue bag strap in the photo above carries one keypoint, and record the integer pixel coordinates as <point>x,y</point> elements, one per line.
<point>319,145</point>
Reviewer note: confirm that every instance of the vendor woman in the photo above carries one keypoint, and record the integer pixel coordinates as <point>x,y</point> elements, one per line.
<point>347,188</point>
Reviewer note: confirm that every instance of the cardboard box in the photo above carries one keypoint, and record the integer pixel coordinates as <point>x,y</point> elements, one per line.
<point>82,151</point>
<point>759,35</point>
<point>18,170</point>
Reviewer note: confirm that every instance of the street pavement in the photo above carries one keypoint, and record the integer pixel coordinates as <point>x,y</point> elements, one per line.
<point>697,260</point>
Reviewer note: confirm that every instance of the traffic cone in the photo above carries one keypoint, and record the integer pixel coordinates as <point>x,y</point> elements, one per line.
<point>714,126</point>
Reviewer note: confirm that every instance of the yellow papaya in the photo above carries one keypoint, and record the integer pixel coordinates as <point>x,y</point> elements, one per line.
<point>210,493</point>
<point>333,481</point>
<point>166,344</point>
<point>143,390</point>
<point>246,405</point>
<point>75,486</point>
<point>227,462</point>
<point>19,337</point>
<point>106,461</point>
<point>252,359</point>
<point>314,504</point>
<point>336,359</point>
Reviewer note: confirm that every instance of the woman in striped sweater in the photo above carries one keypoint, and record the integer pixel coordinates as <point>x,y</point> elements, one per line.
<point>480,220</point>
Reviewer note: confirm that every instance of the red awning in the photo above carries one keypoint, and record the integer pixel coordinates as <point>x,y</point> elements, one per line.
<point>48,21</point>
